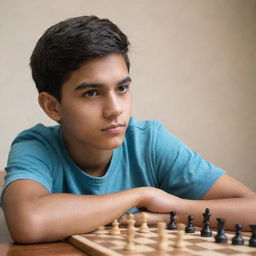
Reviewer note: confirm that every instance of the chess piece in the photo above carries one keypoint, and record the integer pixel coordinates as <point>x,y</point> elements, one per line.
<point>238,239</point>
<point>115,228</point>
<point>206,231</point>
<point>207,214</point>
<point>190,227</point>
<point>130,246</point>
<point>221,237</point>
<point>144,227</point>
<point>131,221</point>
<point>252,241</point>
<point>172,224</point>
<point>100,230</point>
<point>162,236</point>
<point>179,242</point>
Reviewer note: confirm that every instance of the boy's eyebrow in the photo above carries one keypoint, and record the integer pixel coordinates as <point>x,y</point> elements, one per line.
<point>95,85</point>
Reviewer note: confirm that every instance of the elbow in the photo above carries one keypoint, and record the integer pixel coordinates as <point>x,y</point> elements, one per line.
<point>26,229</point>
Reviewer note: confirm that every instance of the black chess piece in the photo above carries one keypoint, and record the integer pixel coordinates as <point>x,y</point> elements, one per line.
<point>238,239</point>
<point>172,224</point>
<point>207,214</point>
<point>206,231</point>
<point>221,237</point>
<point>252,241</point>
<point>190,227</point>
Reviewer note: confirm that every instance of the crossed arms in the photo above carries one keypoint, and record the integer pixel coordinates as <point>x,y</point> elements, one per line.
<point>33,215</point>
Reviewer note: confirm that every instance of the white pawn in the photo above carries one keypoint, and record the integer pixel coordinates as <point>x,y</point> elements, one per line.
<point>100,230</point>
<point>115,228</point>
<point>144,226</point>
<point>162,236</point>
<point>130,239</point>
<point>179,242</point>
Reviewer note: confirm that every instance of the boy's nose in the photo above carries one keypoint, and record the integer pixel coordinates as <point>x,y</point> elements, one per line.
<point>112,107</point>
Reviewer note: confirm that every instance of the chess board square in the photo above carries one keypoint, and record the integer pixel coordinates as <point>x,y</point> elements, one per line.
<point>190,236</point>
<point>171,234</point>
<point>122,243</point>
<point>117,247</point>
<point>195,247</point>
<point>143,240</point>
<point>172,242</point>
<point>196,240</point>
<point>143,248</point>
<point>228,251</point>
<point>211,245</point>
<point>150,234</point>
<point>204,253</point>
<point>244,249</point>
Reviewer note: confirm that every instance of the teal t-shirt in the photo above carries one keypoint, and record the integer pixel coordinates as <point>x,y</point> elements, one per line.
<point>149,156</point>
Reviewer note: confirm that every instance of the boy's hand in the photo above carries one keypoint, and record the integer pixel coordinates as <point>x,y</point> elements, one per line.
<point>159,201</point>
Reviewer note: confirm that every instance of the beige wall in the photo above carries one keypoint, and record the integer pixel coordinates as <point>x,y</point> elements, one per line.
<point>193,67</point>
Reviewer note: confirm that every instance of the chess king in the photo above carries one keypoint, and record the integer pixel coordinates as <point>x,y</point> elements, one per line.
<point>98,162</point>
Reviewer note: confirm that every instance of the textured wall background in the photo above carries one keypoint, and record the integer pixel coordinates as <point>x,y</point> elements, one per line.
<point>193,68</point>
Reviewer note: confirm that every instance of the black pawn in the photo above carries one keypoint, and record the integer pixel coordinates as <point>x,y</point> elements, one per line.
<point>221,237</point>
<point>190,228</point>
<point>238,239</point>
<point>252,241</point>
<point>172,224</point>
<point>206,231</point>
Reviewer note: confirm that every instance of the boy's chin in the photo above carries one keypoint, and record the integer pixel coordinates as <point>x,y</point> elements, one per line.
<point>113,145</point>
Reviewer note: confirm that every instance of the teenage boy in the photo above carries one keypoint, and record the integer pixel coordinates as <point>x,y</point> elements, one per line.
<point>99,162</point>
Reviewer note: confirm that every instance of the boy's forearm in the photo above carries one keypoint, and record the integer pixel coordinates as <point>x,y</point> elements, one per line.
<point>52,217</point>
<point>233,210</point>
<point>56,216</point>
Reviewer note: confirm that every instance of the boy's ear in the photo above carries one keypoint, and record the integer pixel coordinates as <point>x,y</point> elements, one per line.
<point>50,105</point>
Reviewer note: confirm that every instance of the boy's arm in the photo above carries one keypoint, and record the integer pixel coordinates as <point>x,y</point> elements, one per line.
<point>33,215</point>
<point>228,198</point>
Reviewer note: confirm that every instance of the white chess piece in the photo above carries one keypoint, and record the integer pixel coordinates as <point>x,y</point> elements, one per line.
<point>179,242</point>
<point>131,221</point>
<point>100,230</point>
<point>162,236</point>
<point>144,226</point>
<point>130,246</point>
<point>115,228</point>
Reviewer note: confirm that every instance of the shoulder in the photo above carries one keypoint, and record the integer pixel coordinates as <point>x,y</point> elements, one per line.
<point>151,138</point>
<point>33,155</point>
<point>137,126</point>
<point>153,131</point>
<point>39,140</point>
<point>39,133</point>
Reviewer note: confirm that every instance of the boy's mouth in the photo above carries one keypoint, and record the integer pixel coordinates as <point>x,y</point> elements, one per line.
<point>114,128</point>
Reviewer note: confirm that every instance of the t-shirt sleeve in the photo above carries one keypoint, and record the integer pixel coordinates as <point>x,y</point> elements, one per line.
<point>180,171</point>
<point>29,159</point>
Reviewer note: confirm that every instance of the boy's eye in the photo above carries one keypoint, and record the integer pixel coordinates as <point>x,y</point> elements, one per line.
<point>91,93</point>
<point>123,88</point>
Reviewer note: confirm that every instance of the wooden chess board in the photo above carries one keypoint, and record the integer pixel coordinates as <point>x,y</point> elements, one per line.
<point>146,243</point>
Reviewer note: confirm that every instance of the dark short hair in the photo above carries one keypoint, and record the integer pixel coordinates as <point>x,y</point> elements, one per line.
<point>64,47</point>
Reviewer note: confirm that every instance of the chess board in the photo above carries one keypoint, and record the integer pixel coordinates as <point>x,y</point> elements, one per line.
<point>146,244</point>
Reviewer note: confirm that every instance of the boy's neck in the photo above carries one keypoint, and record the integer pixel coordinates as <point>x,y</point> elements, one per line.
<point>96,164</point>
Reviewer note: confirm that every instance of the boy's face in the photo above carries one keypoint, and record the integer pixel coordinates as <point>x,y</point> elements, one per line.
<point>96,104</point>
